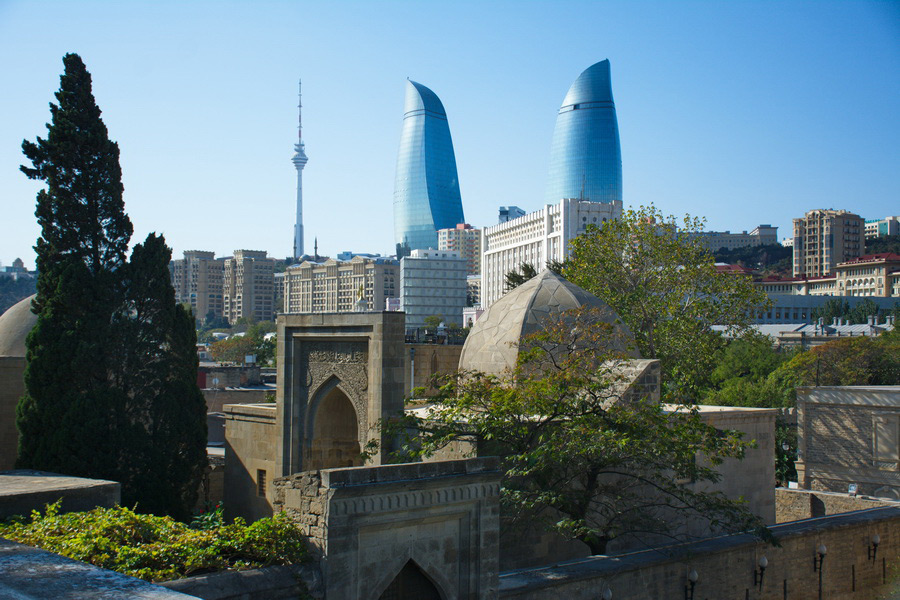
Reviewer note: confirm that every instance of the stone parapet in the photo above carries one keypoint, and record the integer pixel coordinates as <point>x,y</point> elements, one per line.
<point>726,565</point>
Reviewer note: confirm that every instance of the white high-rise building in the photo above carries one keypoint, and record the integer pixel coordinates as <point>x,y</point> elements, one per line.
<point>536,238</point>
<point>299,161</point>
<point>432,283</point>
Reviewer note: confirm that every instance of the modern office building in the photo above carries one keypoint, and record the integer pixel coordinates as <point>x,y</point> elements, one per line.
<point>823,238</point>
<point>249,289</point>
<point>508,213</point>
<point>585,155</point>
<point>466,240</point>
<point>335,286</point>
<point>432,283</point>
<point>536,238</point>
<point>300,159</point>
<point>426,186</point>
<point>762,235</point>
<point>882,227</point>
<point>198,280</point>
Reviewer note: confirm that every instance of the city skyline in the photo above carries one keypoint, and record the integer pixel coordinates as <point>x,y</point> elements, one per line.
<point>742,113</point>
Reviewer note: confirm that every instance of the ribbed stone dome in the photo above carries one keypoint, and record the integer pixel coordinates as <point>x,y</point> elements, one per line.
<point>15,324</point>
<point>493,344</point>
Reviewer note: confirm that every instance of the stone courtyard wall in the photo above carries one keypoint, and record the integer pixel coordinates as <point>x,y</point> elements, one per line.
<point>726,566</point>
<point>795,505</point>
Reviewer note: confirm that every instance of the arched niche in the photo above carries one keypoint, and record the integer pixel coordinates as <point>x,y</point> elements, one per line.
<point>411,583</point>
<point>334,441</point>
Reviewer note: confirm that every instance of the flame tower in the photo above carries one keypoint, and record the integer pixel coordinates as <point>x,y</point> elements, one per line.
<point>299,161</point>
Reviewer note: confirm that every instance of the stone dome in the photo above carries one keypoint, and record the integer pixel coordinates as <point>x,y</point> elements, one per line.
<point>493,344</point>
<point>15,324</point>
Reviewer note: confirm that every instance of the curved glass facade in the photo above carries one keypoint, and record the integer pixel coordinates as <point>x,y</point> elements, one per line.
<point>426,186</point>
<point>585,156</point>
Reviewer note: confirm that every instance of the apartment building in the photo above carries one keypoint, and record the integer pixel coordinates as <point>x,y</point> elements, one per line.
<point>466,240</point>
<point>249,286</point>
<point>432,283</point>
<point>198,279</point>
<point>823,238</point>
<point>762,235</point>
<point>335,286</point>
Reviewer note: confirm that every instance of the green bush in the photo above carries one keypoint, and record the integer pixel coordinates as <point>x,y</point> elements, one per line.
<point>158,548</point>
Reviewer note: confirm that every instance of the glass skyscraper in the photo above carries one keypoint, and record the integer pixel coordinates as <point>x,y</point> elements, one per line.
<point>585,156</point>
<point>426,186</point>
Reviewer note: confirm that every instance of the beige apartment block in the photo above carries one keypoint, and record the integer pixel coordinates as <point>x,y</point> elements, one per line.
<point>869,275</point>
<point>465,240</point>
<point>249,287</point>
<point>334,286</point>
<point>198,279</point>
<point>762,235</point>
<point>823,238</point>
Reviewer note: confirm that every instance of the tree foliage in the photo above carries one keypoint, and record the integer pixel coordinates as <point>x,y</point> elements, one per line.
<point>750,375</point>
<point>111,364</point>
<point>770,258</point>
<point>578,457</point>
<point>885,243</point>
<point>251,342</point>
<point>666,288</point>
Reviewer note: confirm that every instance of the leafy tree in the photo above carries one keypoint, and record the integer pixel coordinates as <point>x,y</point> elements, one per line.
<point>770,257</point>
<point>666,288</point>
<point>578,457</point>
<point>111,364</point>
<point>253,341</point>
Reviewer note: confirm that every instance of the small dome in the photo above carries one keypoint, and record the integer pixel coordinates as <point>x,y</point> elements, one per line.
<point>493,344</point>
<point>15,324</point>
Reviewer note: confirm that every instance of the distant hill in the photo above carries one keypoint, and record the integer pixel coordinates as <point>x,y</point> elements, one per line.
<point>14,290</point>
<point>888,243</point>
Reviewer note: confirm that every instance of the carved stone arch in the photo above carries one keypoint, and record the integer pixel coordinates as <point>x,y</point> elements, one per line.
<point>333,433</point>
<point>409,580</point>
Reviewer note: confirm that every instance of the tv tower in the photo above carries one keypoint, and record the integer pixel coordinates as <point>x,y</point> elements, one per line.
<point>299,161</point>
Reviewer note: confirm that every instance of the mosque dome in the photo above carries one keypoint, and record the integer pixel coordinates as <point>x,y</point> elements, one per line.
<point>493,344</point>
<point>15,324</point>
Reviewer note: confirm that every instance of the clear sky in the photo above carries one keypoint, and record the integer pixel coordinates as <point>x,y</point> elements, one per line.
<point>741,112</point>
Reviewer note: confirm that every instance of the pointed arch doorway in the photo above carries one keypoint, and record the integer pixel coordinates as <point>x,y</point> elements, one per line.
<point>335,439</point>
<point>411,584</point>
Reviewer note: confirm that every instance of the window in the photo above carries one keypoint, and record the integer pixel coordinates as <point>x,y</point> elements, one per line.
<point>886,441</point>
<point>261,483</point>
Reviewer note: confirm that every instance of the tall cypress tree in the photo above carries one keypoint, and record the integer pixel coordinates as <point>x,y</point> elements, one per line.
<point>110,385</point>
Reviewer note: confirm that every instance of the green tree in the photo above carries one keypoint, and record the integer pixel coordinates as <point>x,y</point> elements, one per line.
<point>666,288</point>
<point>111,360</point>
<point>514,279</point>
<point>578,457</point>
<point>833,308</point>
<point>885,243</point>
<point>165,408</point>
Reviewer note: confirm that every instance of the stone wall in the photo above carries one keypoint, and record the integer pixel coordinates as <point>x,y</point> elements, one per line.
<point>367,524</point>
<point>25,490</point>
<point>251,441</point>
<point>12,387</point>
<point>27,573</point>
<point>726,566</point>
<point>217,398</point>
<point>429,360</point>
<point>271,583</point>
<point>228,376</point>
<point>844,435</point>
<point>794,505</point>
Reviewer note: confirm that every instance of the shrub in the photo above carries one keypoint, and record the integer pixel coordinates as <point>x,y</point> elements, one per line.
<point>158,548</point>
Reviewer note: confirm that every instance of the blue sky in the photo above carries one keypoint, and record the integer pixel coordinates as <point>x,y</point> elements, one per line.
<point>741,112</point>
